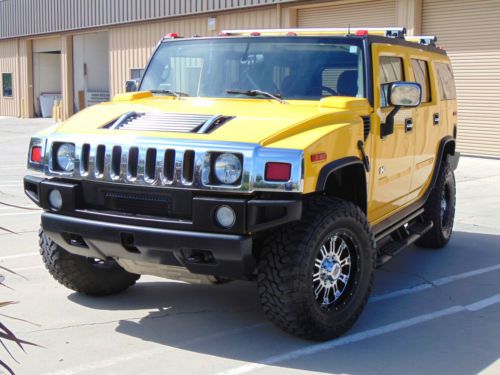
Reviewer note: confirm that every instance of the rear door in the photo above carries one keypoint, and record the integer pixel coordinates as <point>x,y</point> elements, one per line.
<point>429,122</point>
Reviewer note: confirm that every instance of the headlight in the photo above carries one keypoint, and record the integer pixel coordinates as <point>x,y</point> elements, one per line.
<point>66,157</point>
<point>227,168</point>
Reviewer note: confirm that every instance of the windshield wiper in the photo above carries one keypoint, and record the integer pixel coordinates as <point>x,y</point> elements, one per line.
<point>257,92</point>
<point>177,94</point>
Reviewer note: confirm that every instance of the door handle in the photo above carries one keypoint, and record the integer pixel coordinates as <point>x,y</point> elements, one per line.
<point>408,125</point>
<point>436,119</point>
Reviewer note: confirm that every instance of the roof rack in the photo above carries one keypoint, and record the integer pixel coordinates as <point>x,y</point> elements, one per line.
<point>424,40</point>
<point>393,32</point>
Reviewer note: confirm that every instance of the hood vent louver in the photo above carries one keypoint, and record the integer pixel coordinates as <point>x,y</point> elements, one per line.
<point>168,122</point>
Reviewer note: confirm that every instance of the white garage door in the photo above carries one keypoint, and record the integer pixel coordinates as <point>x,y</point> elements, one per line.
<point>469,31</point>
<point>380,13</point>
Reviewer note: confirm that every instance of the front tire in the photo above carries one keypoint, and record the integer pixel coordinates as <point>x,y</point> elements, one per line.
<point>440,209</point>
<point>84,275</point>
<point>315,275</point>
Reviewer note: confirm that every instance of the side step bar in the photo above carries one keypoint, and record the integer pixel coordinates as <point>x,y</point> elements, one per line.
<point>409,234</point>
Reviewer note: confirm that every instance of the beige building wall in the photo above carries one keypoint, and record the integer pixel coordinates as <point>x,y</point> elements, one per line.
<point>131,46</point>
<point>9,106</point>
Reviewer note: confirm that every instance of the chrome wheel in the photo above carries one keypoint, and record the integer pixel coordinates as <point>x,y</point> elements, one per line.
<point>332,270</point>
<point>445,207</point>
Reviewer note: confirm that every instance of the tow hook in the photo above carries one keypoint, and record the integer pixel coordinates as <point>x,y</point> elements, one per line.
<point>366,160</point>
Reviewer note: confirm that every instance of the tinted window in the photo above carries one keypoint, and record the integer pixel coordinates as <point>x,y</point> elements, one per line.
<point>7,84</point>
<point>421,73</point>
<point>391,70</point>
<point>446,82</point>
<point>302,68</point>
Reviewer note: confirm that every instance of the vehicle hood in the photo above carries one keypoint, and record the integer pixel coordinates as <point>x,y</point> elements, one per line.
<point>259,121</point>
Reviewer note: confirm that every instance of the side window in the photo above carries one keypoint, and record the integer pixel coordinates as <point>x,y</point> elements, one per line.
<point>136,73</point>
<point>446,81</point>
<point>7,85</point>
<point>421,72</point>
<point>391,70</point>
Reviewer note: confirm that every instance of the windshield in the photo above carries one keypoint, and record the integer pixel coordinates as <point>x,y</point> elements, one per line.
<point>290,68</point>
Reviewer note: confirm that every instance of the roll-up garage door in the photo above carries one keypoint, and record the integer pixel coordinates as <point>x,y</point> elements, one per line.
<point>469,31</point>
<point>380,13</point>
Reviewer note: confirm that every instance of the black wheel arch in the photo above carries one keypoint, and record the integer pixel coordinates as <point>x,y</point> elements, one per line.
<point>352,169</point>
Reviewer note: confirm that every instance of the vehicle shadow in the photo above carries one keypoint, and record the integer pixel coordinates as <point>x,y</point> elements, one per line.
<point>226,320</point>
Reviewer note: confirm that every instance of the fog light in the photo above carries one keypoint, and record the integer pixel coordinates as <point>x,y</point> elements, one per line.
<point>55,199</point>
<point>225,216</point>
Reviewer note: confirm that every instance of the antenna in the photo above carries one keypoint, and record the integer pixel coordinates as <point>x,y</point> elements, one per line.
<point>349,30</point>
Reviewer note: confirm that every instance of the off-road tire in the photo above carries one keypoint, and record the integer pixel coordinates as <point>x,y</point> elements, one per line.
<point>285,266</point>
<point>441,231</point>
<point>80,274</point>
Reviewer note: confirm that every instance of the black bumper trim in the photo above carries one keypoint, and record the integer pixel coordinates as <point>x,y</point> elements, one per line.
<point>230,255</point>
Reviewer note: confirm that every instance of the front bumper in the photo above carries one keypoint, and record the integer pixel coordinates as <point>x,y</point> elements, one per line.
<point>192,240</point>
<point>201,253</point>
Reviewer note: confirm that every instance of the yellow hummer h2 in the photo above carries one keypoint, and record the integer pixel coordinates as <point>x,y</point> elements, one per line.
<point>299,158</point>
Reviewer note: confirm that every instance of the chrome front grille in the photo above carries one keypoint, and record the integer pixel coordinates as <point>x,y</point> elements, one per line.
<point>167,162</point>
<point>167,122</point>
<point>137,164</point>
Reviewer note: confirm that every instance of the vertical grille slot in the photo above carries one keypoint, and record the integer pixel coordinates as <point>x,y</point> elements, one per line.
<point>169,165</point>
<point>150,167</point>
<point>100,159</point>
<point>188,166</point>
<point>85,158</point>
<point>116,157</point>
<point>133,159</point>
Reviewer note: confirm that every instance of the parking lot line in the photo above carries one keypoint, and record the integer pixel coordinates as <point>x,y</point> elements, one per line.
<point>109,362</point>
<point>21,269</point>
<point>18,256</point>
<point>22,213</point>
<point>360,336</point>
<point>434,283</point>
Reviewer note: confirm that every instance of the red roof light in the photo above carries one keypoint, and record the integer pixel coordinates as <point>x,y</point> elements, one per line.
<point>255,33</point>
<point>171,35</point>
<point>278,171</point>
<point>361,32</point>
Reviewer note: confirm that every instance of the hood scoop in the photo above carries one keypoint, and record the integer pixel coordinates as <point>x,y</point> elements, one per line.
<point>168,122</point>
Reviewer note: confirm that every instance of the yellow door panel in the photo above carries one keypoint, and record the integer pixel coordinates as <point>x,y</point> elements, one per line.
<point>393,155</point>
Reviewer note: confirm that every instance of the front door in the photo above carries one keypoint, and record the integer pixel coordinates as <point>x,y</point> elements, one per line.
<point>393,155</point>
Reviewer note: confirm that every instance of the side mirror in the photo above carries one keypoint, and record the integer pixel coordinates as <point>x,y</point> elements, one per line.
<point>132,85</point>
<point>400,95</point>
<point>405,94</point>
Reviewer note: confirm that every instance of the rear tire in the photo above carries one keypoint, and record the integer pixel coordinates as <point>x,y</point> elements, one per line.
<point>308,286</point>
<point>440,209</point>
<point>84,275</point>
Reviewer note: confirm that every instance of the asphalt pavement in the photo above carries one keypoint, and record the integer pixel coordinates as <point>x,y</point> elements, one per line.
<point>431,312</point>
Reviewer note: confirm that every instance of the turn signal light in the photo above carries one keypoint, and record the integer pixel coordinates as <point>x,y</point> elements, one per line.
<point>278,171</point>
<point>36,154</point>
<point>321,156</point>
